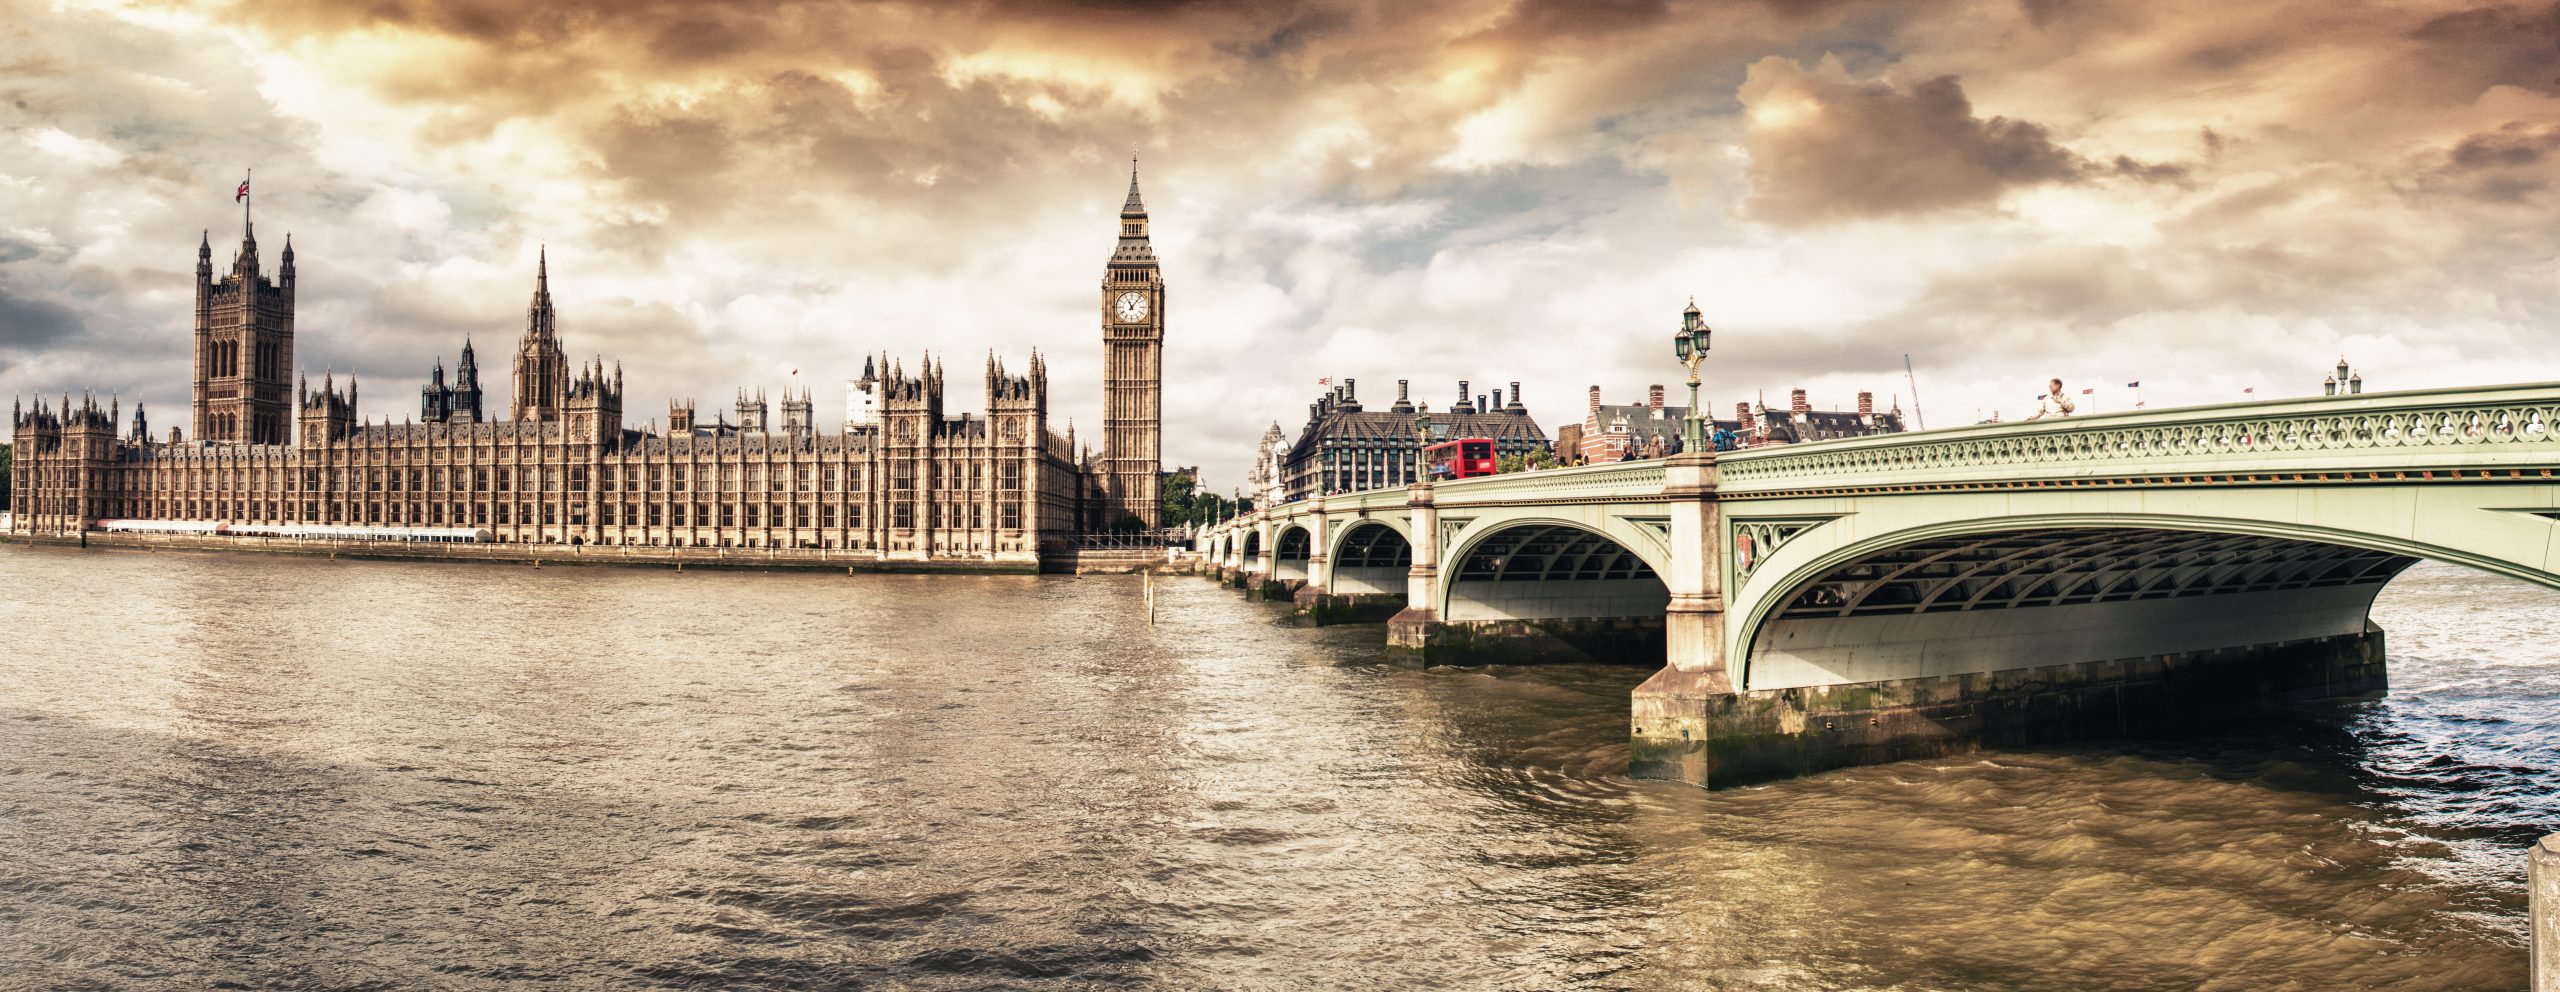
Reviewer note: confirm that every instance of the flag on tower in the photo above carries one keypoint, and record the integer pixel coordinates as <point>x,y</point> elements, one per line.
<point>1326,381</point>
<point>2088,392</point>
<point>243,193</point>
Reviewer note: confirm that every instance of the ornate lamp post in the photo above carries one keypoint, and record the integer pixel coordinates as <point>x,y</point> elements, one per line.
<point>1690,343</point>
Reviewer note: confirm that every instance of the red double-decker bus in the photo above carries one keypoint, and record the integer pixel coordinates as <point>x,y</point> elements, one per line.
<point>1460,458</point>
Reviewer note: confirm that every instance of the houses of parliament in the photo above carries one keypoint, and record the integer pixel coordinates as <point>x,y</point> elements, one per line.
<point>267,451</point>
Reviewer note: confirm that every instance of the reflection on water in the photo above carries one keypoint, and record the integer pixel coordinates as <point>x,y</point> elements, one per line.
<point>294,774</point>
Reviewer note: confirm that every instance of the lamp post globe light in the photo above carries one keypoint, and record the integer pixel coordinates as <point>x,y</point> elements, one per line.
<point>1690,344</point>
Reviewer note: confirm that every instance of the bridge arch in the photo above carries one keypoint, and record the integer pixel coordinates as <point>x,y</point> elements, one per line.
<point>1550,568</point>
<point>1371,556</point>
<point>1252,550</point>
<point>1291,545</point>
<point>1965,594</point>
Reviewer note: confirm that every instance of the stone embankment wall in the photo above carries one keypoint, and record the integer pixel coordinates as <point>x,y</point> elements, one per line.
<point>550,555</point>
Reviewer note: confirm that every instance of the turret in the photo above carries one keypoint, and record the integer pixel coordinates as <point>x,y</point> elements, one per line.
<point>327,416</point>
<point>797,414</point>
<point>594,406</point>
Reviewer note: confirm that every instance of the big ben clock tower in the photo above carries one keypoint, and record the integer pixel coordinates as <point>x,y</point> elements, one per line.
<point>1132,370</point>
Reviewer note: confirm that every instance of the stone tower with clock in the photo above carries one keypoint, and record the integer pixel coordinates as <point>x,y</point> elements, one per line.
<point>1132,372</point>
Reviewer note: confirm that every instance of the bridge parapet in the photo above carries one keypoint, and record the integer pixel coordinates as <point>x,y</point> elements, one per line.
<point>2504,428</point>
<point>1612,481</point>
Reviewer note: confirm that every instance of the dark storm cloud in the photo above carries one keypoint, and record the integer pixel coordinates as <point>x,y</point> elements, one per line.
<point>2507,165</point>
<point>2489,46</point>
<point>2516,144</point>
<point>1825,147</point>
<point>28,322</point>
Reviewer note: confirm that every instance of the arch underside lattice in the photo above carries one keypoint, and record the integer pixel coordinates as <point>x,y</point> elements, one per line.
<point>2084,565</point>
<point>1549,552</point>
<point>1374,545</point>
<point>1552,571</point>
<point>2030,596</point>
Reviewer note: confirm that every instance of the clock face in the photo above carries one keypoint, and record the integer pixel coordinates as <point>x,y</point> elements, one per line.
<point>1131,308</point>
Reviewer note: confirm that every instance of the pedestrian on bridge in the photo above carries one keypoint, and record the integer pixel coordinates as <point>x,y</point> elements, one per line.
<point>2053,402</point>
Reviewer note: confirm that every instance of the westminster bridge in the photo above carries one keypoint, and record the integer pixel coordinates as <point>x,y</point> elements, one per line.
<point>1907,595</point>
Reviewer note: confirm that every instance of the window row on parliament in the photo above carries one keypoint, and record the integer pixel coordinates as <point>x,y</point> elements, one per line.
<point>266,449</point>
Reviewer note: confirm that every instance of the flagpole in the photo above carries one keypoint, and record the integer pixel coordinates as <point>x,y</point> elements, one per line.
<point>247,200</point>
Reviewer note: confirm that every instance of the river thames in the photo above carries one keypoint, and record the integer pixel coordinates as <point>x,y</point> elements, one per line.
<point>245,772</point>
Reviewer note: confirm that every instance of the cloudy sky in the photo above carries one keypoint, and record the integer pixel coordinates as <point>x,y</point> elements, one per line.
<point>2201,195</point>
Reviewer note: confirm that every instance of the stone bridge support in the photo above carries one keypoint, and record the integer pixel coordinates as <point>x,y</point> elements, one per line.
<point>1410,629</point>
<point>1319,577</point>
<point>1318,603</point>
<point>1262,577</point>
<point>1669,738</point>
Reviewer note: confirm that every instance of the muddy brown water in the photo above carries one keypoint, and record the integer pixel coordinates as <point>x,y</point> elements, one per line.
<point>246,772</point>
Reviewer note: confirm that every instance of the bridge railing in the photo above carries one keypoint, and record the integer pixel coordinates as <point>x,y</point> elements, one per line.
<point>1585,482</point>
<point>2401,431</point>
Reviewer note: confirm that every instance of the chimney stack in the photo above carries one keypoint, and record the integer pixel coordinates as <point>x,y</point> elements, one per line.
<point>1742,413</point>
<point>1462,390</point>
<point>1653,400</point>
<point>1400,392</point>
<point>1351,389</point>
<point>1866,404</point>
<point>1595,399</point>
<point>1515,394</point>
<point>1796,402</point>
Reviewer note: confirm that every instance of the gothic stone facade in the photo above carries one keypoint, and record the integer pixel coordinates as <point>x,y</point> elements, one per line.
<point>1133,375</point>
<point>564,469</point>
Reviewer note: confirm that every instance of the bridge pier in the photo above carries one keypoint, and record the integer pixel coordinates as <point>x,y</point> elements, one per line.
<point>1669,738</point>
<point>1688,728</point>
<point>1265,564</point>
<point>1325,609</point>
<point>1410,630</point>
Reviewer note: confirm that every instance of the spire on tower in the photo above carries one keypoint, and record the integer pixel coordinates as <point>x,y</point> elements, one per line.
<point>542,280</point>
<point>1134,205</point>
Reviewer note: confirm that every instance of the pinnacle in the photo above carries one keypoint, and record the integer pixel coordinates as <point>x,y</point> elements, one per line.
<point>1134,205</point>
